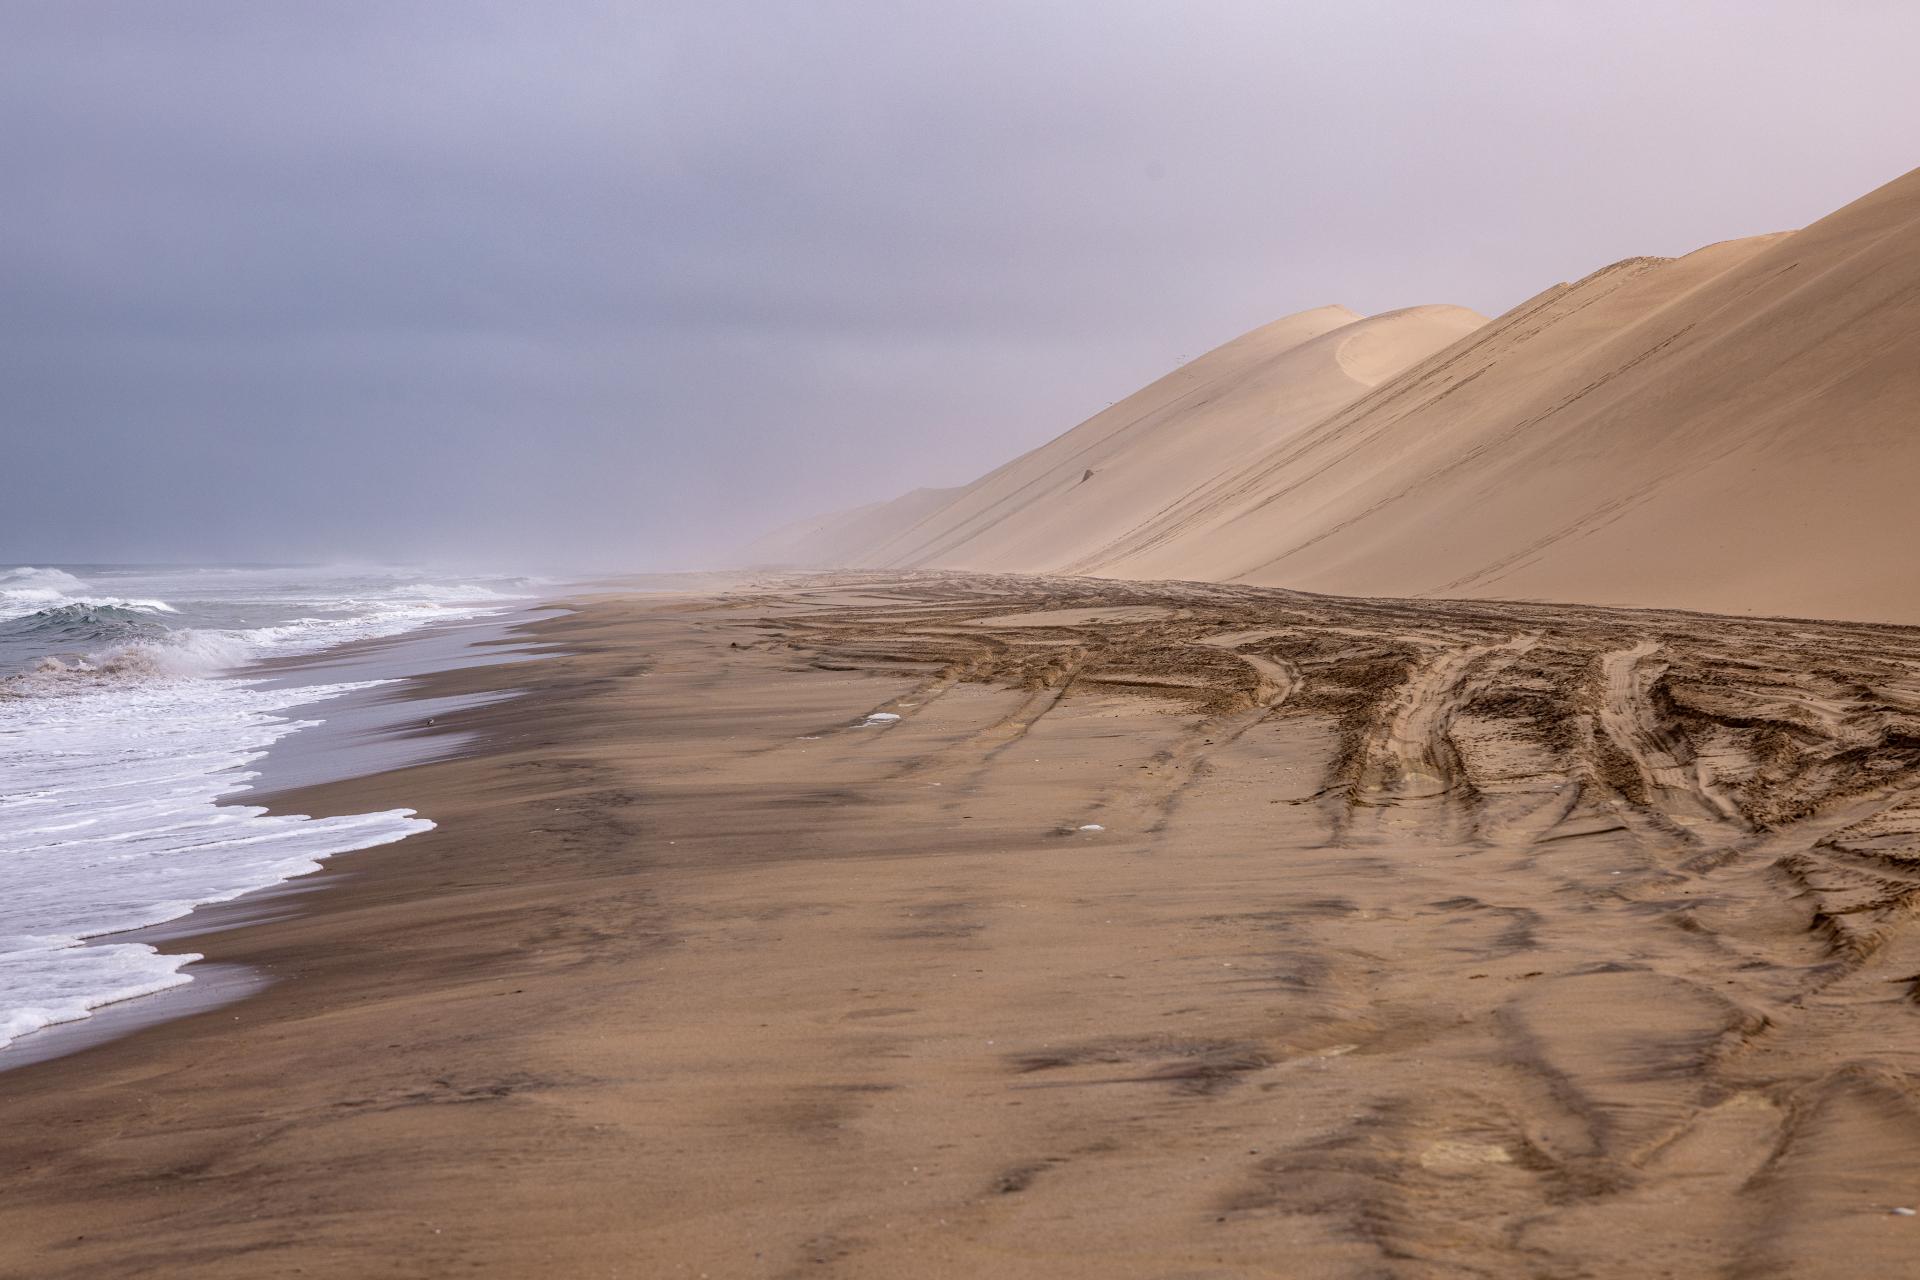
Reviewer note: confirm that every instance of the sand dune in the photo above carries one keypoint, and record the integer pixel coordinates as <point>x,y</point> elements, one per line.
<point>1082,491</point>
<point>1731,430</point>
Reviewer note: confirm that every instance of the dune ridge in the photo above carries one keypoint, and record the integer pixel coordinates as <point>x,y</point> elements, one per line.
<point>1730,430</point>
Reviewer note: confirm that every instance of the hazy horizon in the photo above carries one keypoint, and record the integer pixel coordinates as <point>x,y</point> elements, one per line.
<point>607,286</point>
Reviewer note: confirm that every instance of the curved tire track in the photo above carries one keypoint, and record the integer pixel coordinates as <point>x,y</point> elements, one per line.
<point>1676,782</point>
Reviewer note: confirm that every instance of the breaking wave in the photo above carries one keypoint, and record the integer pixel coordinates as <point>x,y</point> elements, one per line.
<point>128,721</point>
<point>81,623</point>
<point>54,593</point>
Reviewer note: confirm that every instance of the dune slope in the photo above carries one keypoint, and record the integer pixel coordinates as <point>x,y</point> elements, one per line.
<point>1080,491</point>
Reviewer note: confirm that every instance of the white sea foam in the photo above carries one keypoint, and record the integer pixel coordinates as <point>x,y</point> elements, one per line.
<point>110,823</point>
<point>28,590</point>
<point>111,767</point>
<point>26,577</point>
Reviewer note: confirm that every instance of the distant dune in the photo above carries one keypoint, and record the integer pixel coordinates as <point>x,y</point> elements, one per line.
<point>1080,493</point>
<point>1735,430</point>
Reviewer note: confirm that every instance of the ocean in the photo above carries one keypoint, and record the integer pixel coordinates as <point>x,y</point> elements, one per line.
<point>130,715</point>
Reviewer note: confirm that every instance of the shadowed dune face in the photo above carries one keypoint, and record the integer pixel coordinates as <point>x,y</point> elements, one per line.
<point>1589,934</point>
<point>1731,431</point>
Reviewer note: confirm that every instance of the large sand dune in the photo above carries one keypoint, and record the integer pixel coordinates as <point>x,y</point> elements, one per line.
<point>1082,491</point>
<point>1733,430</point>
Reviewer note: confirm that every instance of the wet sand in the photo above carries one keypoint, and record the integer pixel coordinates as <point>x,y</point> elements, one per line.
<point>954,925</point>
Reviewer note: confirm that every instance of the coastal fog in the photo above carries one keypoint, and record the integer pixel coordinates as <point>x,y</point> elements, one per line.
<point>619,285</point>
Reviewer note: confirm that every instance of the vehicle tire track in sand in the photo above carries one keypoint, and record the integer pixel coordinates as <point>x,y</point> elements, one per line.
<point>1149,801</point>
<point>976,753</point>
<point>1823,1194</point>
<point>1408,762</point>
<point>1571,1033</point>
<point>1673,781</point>
<point>896,710</point>
<point>1863,879</point>
<point>1009,729</point>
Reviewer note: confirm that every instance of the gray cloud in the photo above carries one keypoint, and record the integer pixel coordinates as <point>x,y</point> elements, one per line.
<point>606,282</point>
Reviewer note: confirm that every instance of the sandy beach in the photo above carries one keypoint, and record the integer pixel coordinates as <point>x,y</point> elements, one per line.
<point>959,642</point>
<point>882,925</point>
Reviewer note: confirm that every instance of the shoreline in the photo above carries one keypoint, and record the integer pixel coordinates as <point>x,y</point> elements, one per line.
<point>1135,942</point>
<point>361,733</point>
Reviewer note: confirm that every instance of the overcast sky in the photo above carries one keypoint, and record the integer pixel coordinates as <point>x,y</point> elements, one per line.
<point>556,282</point>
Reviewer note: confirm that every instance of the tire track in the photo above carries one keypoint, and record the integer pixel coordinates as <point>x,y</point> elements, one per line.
<point>1409,777</point>
<point>1673,781</point>
<point>1615,919</point>
<point>1149,802</point>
